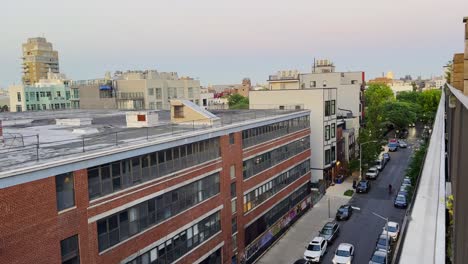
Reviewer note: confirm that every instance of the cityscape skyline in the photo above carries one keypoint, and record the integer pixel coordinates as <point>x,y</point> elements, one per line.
<point>253,43</point>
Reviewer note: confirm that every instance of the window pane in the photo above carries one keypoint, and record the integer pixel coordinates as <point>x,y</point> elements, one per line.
<point>65,191</point>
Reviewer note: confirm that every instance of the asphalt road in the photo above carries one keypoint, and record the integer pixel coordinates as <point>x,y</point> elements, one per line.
<point>363,228</point>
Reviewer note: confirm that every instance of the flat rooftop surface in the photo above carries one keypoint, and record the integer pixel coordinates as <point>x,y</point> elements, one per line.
<point>31,138</point>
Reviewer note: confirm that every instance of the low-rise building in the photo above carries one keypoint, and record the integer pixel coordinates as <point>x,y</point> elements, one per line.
<point>180,192</point>
<point>52,93</point>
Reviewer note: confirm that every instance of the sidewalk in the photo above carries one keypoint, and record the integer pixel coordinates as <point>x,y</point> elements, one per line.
<point>290,247</point>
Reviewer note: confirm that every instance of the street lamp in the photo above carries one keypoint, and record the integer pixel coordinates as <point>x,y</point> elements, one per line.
<point>386,230</point>
<point>360,156</point>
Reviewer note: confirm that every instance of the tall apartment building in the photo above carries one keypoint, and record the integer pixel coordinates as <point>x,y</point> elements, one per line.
<point>38,58</point>
<point>154,90</point>
<point>50,93</point>
<point>205,195</point>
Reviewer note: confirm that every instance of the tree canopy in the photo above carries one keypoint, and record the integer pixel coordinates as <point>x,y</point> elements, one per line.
<point>399,114</point>
<point>237,101</point>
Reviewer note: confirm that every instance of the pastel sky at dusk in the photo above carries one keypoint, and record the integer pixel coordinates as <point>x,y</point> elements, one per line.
<point>223,41</point>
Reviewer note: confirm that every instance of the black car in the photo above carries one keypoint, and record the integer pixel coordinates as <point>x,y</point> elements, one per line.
<point>330,231</point>
<point>363,186</point>
<point>344,212</point>
<point>400,201</point>
<point>301,261</point>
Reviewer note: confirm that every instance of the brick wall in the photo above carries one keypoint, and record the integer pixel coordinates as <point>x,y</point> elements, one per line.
<point>457,71</point>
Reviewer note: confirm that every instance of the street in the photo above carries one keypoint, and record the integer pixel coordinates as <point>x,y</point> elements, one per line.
<point>363,228</point>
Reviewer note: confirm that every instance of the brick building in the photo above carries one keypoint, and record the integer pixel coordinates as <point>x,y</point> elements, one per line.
<point>170,194</point>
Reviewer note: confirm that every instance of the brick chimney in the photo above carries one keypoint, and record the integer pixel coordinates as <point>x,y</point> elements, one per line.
<point>465,20</point>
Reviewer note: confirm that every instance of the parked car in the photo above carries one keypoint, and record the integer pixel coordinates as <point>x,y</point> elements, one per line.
<point>402,144</point>
<point>393,230</point>
<point>407,181</point>
<point>379,257</point>
<point>344,254</point>
<point>392,146</point>
<point>372,173</point>
<point>363,186</point>
<point>380,164</point>
<point>403,191</point>
<point>386,156</point>
<point>301,261</point>
<point>330,231</point>
<point>400,201</point>
<point>344,212</point>
<point>316,249</point>
<point>384,243</point>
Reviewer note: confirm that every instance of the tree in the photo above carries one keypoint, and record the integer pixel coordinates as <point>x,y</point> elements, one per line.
<point>399,114</point>
<point>428,101</point>
<point>376,95</point>
<point>408,96</point>
<point>237,101</point>
<point>448,72</point>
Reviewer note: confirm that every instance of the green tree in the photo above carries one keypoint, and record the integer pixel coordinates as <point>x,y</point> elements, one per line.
<point>408,96</point>
<point>399,114</point>
<point>237,101</point>
<point>428,102</point>
<point>376,95</point>
<point>448,73</point>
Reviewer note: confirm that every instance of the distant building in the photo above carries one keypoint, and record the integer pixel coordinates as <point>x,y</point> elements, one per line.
<point>153,90</point>
<point>52,93</point>
<point>38,58</point>
<point>221,90</point>
<point>93,94</point>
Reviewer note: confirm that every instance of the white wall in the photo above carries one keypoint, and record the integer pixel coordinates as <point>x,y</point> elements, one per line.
<point>313,99</point>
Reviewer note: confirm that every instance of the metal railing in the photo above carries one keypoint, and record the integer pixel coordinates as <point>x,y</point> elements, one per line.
<point>35,150</point>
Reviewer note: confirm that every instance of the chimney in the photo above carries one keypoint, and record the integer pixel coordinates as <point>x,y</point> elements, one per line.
<point>465,66</point>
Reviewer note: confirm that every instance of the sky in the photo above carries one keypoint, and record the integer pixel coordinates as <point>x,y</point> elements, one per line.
<point>221,42</point>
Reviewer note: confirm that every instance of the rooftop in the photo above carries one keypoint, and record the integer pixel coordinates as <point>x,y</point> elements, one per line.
<point>34,139</point>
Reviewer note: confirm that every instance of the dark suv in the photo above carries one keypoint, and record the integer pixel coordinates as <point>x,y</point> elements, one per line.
<point>344,212</point>
<point>330,231</point>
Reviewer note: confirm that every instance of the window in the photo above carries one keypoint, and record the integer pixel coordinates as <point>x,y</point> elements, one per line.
<point>65,191</point>
<point>18,96</point>
<point>231,138</point>
<point>327,157</point>
<point>178,111</point>
<point>49,94</point>
<point>233,206</point>
<point>313,84</point>
<point>324,83</point>
<point>42,94</point>
<point>232,171</point>
<point>129,222</point>
<point>234,242</point>
<point>327,132</point>
<point>327,108</point>
<point>159,105</point>
<point>58,94</point>
<point>141,118</point>
<point>190,92</point>
<point>333,105</point>
<point>332,154</point>
<point>70,250</point>
<point>333,130</point>
<point>158,93</point>
<point>234,224</point>
<point>233,190</point>
<point>151,91</point>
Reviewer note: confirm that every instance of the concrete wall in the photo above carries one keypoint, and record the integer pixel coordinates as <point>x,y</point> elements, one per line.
<point>13,90</point>
<point>90,98</point>
<point>313,99</point>
<point>285,85</point>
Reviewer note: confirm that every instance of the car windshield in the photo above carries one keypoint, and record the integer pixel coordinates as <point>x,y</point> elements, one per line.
<point>378,258</point>
<point>326,231</point>
<point>382,241</point>
<point>342,253</point>
<point>401,198</point>
<point>363,184</point>
<point>392,229</point>
<point>377,162</point>
<point>372,170</point>
<point>313,247</point>
<point>343,210</point>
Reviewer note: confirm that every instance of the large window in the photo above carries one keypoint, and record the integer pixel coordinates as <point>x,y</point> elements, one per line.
<point>267,160</point>
<point>254,136</point>
<point>112,177</point>
<point>124,224</point>
<point>327,157</point>
<point>267,190</point>
<point>333,130</point>
<point>177,246</point>
<point>330,107</point>
<point>65,191</point>
<point>70,250</point>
